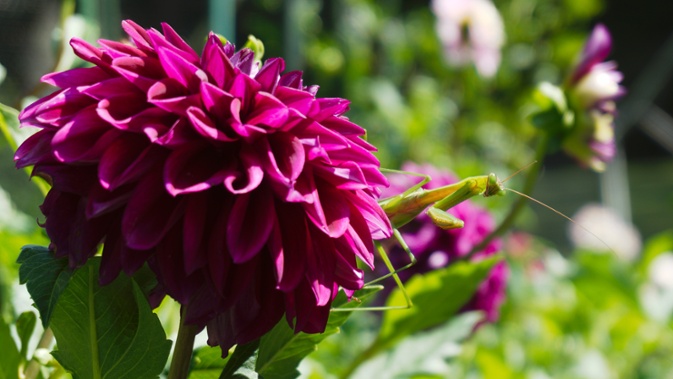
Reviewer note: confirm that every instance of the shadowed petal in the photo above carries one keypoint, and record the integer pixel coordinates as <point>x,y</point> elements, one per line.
<point>250,224</point>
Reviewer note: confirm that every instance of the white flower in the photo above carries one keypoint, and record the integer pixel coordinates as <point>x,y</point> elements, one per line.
<point>470,31</point>
<point>607,229</point>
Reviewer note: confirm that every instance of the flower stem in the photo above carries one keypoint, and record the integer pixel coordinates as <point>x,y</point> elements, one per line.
<point>33,367</point>
<point>184,346</point>
<point>506,223</point>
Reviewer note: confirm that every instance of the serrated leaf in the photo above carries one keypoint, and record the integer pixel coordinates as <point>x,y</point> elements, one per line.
<point>281,350</point>
<point>436,295</point>
<point>107,331</point>
<point>242,363</point>
<point>9,357</point>
<point>25,326</point>
<point>45,276</point>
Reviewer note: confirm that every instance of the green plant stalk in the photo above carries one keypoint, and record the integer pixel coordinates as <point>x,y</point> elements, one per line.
<point>184,347</point>
<point>33,367</point>
<point>529,185</point>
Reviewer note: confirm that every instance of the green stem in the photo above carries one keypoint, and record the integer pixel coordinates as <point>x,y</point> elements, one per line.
<point>184,346</point>
<point>507,222</point>
<point>33,367</point>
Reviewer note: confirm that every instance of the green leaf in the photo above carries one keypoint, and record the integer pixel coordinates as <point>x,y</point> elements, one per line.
<point>242,363</point>
<point>45,277</point>
<point>9,126</point>
<point>423,353</point>
<point>107,331</point>
<point>281,350</point>
<point>207,363</point>
<point>436,296</point>
<point>9,357</point>
<point>25,326</point>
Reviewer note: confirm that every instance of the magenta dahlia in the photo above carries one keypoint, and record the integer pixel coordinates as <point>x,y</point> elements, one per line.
<point>435,248</point>
<point>247,195</point>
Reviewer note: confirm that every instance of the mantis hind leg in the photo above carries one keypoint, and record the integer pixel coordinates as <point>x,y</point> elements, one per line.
<point>392,272</point>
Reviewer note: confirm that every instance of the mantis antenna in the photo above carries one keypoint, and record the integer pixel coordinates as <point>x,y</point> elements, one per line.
<point>562,215</point>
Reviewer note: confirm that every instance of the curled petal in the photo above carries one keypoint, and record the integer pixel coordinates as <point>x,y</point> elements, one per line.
<point>251,209</point>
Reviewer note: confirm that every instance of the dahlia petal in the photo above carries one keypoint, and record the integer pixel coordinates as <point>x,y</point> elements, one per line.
<point>295,98</point>
<point>219,259</point>
<point>268,111</point>
<point>247,178</point>
<point>244,88</point>
<point>206,127</point>
<point>111,263</point>
<point>68,228</point>
<point>76,77</point>
<point>254,208</point>
<point>193,168</point>
<point>69,179</point>
<point>37,148</point>
<point>289,245</point>
<point>330,107</point>
<point>177,41</point>
<point>101,201</point>
<point>141,72</point>
<point>269,74</point>
<point>89,53</point>
<point>312,318</point>
<point>244,130</point>
<point>179,134</point>
<point>120,110</point>
<point>358,238</point>
<point>116,49</point>
<point>176,45</point>
<point>344,127</point>
<point>345,176</point>
<point>169,96</point>
<point>292,79</point>
<point>194,230</point>
<point>126,160</point>
<point>346,272</point>
<point>150,213</point>
<point>285,157</point>
<point>377,221</point>
<point>138,35</point>
<point>244,60</point>
<point>178,284</point>
<point>85,138</point>
<point>118,86</point>
<point>178,68</point>
<point>329,212</point>
<point>215,62</point>
<point>216,101</point>
<point>56,109</point>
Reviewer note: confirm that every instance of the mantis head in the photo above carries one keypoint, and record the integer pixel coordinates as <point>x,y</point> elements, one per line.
<point>493,186</point>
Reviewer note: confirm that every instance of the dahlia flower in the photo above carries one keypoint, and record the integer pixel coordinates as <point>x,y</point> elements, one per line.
<point>593,87</point>
<point>247,195</point>
<point>435,248</point>
<point>471,31</point>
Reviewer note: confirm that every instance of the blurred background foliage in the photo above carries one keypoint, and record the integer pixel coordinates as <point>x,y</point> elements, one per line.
<point>570,313</point>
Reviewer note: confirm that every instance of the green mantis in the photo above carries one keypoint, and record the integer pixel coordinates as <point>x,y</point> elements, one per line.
<point>403,208</point>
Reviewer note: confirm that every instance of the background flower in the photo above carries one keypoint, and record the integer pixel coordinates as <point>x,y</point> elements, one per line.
<point>248,196</point>
<point>470,31</point>
<point>435,248</point>
<point>593,88</point>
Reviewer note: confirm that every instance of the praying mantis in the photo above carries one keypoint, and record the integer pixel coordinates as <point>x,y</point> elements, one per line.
<point>406,206</point>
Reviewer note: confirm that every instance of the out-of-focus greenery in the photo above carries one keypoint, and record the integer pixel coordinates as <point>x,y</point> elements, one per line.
<point>579,315</point>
